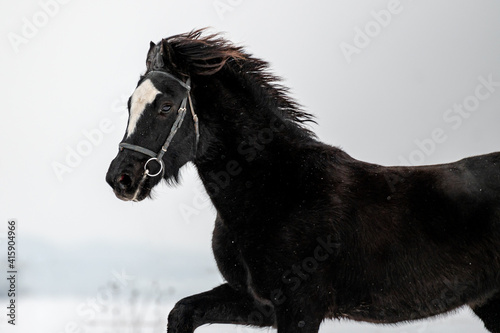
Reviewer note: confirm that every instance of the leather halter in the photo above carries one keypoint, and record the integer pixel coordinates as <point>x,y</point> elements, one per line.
<point>158,157</point>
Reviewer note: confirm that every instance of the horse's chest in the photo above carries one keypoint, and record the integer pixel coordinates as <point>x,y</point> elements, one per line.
<point>231,262</point>
<point>227,255</point>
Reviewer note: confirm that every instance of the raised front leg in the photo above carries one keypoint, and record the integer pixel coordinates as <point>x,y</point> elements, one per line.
<point>221,305</point>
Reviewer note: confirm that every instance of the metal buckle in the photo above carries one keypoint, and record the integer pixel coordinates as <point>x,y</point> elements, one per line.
<point>146,166</point>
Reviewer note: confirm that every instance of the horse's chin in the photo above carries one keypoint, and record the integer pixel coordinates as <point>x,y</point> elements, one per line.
<point>138,195</point>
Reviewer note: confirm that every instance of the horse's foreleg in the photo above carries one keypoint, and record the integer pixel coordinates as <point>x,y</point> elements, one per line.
<point>221,305</point>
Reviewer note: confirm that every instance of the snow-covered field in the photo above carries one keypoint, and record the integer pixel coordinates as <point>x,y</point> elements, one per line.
<point>62,315</point>
<point>132,289</point>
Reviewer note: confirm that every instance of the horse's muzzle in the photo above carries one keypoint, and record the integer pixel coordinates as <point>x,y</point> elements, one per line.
<point>125,179</point>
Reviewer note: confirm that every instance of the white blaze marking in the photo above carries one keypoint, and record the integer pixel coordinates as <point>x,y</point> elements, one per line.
<point>144,94</point>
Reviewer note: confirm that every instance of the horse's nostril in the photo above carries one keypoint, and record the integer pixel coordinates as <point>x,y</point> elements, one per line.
<point>124,181</point>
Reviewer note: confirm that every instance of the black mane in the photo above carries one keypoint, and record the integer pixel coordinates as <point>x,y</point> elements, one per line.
<point>194,54</point>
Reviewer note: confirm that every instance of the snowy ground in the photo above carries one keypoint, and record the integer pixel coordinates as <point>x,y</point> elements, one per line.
<point>60,292</point>
<point>133,315</point>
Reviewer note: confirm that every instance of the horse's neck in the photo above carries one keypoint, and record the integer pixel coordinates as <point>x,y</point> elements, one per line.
<point>255,167</point>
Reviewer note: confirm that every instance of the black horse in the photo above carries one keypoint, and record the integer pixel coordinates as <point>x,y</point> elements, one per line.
<point>303,231</point>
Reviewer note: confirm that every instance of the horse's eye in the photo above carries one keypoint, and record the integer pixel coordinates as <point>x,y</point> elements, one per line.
<point>165,108</point>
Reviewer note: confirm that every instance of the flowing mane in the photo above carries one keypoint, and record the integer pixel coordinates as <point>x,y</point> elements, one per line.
<point>193,53</point>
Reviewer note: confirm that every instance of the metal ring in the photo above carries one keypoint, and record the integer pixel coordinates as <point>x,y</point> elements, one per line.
<point>157,160</point>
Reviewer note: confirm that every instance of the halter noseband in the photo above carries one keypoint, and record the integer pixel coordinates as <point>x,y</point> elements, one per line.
<point>158,157</point>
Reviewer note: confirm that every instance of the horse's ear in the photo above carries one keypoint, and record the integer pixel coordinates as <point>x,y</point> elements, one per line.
<point>150,56</point>
<point>169,57</point>
<point>162,56</point>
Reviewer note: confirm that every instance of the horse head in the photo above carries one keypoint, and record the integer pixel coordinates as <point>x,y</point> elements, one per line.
<point>158,140</point>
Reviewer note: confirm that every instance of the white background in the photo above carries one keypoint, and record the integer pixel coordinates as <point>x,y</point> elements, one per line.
<point>78,62</point>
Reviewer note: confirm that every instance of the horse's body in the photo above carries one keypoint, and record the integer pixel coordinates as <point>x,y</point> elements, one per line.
<point>303,231</point>
<point>397,243</point>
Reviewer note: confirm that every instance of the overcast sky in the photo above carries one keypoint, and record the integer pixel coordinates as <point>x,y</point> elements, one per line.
<point>391,82</point>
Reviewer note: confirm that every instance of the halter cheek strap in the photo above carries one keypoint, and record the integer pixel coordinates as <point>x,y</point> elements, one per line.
<point>158,157</point>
